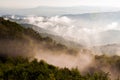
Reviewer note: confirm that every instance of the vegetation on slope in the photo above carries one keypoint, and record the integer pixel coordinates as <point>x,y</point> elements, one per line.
<point>11,30</point>
<point>19,68</point>
<point>16,36</point>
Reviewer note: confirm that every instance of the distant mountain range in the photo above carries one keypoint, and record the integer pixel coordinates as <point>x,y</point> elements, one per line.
<point>115,15</point>
<point>51,11</point>
<point>99,28</point>
<point>112,38</point>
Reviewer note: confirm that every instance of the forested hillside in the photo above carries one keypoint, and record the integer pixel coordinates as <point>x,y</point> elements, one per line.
<point>20,40</point>
<point>18,45</point>
<point>21,69</point>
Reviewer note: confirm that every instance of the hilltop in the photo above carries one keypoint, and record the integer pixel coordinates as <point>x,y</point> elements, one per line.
<point>18,40</point>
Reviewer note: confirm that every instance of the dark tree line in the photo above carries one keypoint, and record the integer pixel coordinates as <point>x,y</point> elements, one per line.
<point>18,68</point>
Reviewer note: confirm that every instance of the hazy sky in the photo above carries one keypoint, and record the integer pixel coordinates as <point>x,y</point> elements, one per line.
<point>62,3</point>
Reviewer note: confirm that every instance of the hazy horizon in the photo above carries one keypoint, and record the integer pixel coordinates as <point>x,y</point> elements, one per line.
<point>58,3</point>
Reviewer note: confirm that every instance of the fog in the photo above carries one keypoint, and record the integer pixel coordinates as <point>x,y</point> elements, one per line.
<point>83,59</point>
<point>98,35</point>
<point>90,31</point>
<point>80,61</point>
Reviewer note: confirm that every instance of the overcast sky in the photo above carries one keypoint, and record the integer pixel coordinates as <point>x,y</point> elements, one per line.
<point>57,3</point>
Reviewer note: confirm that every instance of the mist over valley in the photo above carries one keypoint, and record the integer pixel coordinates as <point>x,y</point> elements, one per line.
<point>82,45</point>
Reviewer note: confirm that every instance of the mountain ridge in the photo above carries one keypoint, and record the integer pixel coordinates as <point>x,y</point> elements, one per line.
<point>18,40</point>
<point>43,10</point>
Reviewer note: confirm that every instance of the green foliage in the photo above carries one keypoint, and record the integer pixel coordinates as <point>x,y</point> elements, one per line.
<point>113,61</point>
<point>18,68</point>
<point>97,76</point>
<point>13,31</point>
